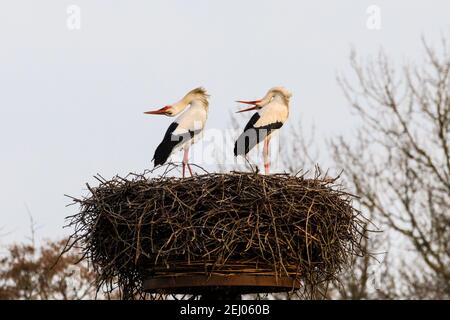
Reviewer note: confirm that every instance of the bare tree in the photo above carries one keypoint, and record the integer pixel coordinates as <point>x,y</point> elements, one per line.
<point>400,164</point>
<point>30,272</point>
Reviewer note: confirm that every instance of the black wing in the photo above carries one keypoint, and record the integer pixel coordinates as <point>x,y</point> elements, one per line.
<point>170,142</point>
<point>253,135</point>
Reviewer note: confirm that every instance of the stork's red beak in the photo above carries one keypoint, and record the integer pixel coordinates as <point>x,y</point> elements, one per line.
<point>159,111</point>
<point>254,102</point>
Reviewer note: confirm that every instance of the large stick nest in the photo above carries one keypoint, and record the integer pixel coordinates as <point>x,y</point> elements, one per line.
<point>136,227</point>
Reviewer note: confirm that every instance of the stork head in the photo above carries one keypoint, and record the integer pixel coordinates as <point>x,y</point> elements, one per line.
<point>197,94</point>
<point>273,92</point>
<point>280,91</point>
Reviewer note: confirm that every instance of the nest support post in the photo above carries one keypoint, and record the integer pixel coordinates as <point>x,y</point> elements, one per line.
<point>229,294</point>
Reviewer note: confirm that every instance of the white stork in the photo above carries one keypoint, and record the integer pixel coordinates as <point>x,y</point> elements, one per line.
<point>273,113</point>
<point>186,129</point>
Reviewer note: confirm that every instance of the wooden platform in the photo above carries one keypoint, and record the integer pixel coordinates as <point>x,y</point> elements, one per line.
<point>203,284</point>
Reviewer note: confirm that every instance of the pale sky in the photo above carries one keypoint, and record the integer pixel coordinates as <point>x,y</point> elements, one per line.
<point>71,101</point>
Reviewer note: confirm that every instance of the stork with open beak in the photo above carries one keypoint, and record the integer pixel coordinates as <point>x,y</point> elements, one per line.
<point>186,129</point>
<point>273,111</point>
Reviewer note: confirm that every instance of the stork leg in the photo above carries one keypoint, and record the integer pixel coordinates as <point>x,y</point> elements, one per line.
<point>190,170</point>
<point>266,154</point>
<point>185,162</point>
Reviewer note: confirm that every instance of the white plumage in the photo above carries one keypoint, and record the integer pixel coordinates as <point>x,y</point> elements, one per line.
<point>186,129</point>
<point>273,113</point>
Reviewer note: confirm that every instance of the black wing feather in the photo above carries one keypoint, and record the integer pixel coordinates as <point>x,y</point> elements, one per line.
<point>253,135</point>
<point>169,142</point>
